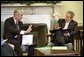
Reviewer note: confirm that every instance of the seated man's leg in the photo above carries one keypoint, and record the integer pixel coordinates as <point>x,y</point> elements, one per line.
<point>31,50</point>
<point>17,48</point>
<point>24,48</point>
<point>69,46</point>
<point>59,38</point>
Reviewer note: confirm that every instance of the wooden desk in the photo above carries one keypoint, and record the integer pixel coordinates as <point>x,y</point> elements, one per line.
<point>50,52</point>
<point>64,53</point>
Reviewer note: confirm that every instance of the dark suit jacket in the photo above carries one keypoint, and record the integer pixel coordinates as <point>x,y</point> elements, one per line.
<point>10,30</point>
<point>72,26</point>
<point>6,50</point>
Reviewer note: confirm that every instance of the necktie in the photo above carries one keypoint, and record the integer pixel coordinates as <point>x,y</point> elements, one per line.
<point>17,26</point>
<point>18,35</point>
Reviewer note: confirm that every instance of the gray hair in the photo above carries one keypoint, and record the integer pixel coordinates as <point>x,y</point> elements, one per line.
<point>17,11</point>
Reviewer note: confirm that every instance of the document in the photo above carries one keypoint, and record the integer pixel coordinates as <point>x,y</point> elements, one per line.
<point>27,39</point>
<point>59,48</point>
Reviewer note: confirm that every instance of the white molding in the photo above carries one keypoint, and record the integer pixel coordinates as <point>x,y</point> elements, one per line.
<point>15,4</point>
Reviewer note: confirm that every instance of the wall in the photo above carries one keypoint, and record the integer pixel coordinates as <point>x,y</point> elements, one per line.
<point>75,6</point>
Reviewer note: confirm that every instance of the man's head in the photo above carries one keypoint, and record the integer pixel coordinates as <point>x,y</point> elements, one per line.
<point>69,15</point>
<point>18,14</point>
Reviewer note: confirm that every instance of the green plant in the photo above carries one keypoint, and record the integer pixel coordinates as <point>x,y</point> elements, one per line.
<point>30,2</point>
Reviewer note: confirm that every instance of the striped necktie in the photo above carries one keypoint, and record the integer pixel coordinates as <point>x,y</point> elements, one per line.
<point>17,26</point>
<point>18,35</point>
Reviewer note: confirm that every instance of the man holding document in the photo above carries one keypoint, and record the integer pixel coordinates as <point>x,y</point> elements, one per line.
<point>69,27</point>
<point>13,30</point>
<point>64,31</point>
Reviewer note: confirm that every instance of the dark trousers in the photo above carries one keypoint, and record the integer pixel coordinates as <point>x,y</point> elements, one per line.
<point>58,38</point>
<point>31,50</point>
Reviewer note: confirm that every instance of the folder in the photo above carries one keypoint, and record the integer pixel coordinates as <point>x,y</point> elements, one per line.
<point>59,48</point>
<point>66,30</point>
<point>27,39</point>
<point>54,31</point>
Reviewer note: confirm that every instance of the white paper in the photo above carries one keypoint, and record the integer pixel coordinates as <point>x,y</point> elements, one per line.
<point>59,48</point>
<point>27,39</point>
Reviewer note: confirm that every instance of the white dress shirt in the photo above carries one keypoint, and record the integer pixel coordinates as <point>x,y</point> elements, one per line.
<point>66,27</point>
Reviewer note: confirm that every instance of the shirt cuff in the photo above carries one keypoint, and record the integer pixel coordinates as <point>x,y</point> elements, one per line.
<point>22,32</point>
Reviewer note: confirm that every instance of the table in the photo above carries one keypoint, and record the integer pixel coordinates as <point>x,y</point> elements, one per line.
<point>47,51</point>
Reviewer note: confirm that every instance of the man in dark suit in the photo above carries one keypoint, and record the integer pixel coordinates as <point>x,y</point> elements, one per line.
<point>63,31</point>
<point>13,30</point>
<point>68,23</point>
